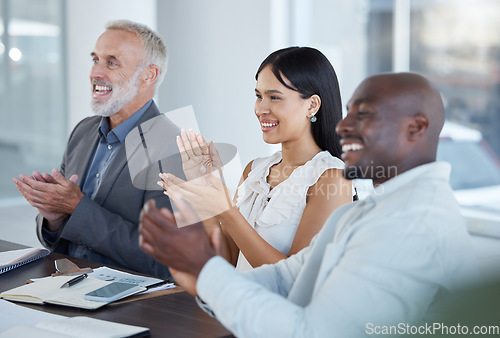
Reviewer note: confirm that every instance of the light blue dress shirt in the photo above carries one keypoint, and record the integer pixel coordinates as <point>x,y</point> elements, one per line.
<point>380,261</point>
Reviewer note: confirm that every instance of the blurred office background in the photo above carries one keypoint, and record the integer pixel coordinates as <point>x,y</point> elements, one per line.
<point>214,50</point>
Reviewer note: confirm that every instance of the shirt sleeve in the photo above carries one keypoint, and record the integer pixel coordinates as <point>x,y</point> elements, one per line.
<point>374,283</point>
<point>257,296</point>
<point>50,237</point>
<point>239,309</point>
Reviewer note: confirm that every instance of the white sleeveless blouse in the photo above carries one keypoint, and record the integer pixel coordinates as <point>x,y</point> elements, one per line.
<point>275,214</point>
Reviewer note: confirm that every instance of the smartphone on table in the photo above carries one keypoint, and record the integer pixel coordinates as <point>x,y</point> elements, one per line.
<point>112,292</point>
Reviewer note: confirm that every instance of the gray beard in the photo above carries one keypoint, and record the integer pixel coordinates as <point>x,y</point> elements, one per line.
<point>120,97</point>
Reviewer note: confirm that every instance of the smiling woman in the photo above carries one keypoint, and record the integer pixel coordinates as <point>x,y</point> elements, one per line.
<point>283,200</point>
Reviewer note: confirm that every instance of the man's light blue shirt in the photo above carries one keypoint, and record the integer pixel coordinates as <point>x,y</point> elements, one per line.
<point>380,261</point>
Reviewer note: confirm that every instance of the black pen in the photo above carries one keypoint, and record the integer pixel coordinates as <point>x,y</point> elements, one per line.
<point>75,280</point>
<point>155,285</point>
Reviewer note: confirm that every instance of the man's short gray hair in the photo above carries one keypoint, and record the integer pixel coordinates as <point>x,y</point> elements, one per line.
<point>154,47</point>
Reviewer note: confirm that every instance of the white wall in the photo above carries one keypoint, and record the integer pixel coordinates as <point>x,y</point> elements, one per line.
<point>338,29</point>
<point>86,20</point>
<point>215,48</point>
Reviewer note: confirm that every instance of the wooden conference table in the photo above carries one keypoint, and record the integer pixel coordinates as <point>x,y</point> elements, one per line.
<point>173,315</point>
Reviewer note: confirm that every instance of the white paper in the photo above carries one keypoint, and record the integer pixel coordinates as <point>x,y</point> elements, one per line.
<point>108,274</point>
<point>89,327</point>
<point>12,315</point>
<point>20,321</point>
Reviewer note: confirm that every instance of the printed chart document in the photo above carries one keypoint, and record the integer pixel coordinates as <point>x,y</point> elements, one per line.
<point>150,283</point>
<point>48,290</point>
<point>19,321</point>
<point>12,259</point>
<point>109,274</point>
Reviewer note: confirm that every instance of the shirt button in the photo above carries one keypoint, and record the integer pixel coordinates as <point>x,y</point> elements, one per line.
<point>97,175</point>
<point>110,146</point>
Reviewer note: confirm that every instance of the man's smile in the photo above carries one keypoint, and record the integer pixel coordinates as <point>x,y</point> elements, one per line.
<point>351,147</point>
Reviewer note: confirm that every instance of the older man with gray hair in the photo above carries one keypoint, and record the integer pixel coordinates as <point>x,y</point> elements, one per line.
<point>90,208</point>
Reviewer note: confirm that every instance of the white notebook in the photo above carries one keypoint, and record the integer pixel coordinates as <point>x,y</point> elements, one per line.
<point>12,259</point>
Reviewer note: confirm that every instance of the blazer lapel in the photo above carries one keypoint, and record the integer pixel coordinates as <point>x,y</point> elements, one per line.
<point>83,150</point>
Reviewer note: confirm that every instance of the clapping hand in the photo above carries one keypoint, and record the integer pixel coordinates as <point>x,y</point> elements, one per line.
<point>208,195</point>
<point>198,158</point>
<point>54,196</point>
<point>204,188</point>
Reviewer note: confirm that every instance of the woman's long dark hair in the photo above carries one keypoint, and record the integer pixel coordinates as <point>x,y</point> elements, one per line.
<point>310,72</point>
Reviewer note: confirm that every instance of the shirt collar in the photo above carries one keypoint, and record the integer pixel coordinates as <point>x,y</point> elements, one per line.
<point>119,133</point>
<point>429,171</point>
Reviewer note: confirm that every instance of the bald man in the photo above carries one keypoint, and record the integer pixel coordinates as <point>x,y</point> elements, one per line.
<point>392,126</point>
<point>377,265</point>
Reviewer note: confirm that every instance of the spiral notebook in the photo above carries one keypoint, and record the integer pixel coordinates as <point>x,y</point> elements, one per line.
<point>12,259</point>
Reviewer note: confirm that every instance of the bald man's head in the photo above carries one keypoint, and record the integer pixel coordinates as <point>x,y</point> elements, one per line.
<point>393,125</point>
<point>416,95</point>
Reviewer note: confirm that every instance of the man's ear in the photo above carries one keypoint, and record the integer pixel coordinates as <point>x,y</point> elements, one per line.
<point>150,74</point>
<point>417,127</point>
